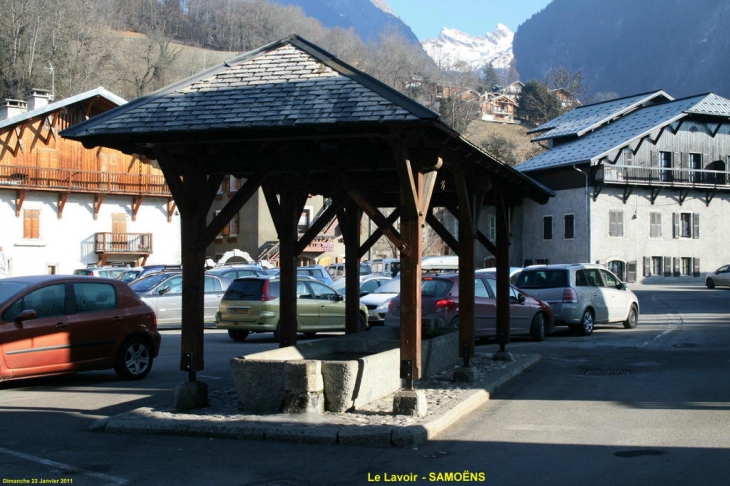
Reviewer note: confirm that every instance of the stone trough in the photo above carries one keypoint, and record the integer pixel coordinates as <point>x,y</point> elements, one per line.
<point>334,375</point>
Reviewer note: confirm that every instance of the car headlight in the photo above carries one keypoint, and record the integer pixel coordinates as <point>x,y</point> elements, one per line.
<point>383,307</point>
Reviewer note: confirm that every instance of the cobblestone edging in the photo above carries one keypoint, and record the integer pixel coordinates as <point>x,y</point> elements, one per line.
<point>373,424</point>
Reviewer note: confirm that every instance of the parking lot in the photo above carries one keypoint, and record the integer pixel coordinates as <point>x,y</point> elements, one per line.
<point>648,405</point>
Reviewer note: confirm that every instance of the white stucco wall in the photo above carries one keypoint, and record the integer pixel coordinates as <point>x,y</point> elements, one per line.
<point>67,243</point>
<point>636,242</point>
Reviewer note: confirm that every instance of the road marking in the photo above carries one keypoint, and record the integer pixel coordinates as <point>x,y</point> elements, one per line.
<point>64,467</point>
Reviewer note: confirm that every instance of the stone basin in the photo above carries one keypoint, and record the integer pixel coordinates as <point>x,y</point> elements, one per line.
<point>334,374</point>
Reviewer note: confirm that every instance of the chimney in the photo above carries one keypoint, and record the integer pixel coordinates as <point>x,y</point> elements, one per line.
<point>10,108</point>
<point>38,98</point>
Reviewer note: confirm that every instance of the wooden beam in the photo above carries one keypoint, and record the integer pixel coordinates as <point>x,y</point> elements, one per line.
<point>375,236</point>
<point>242,195</point>
<point>410,296</point>
<point>443,233</point>
<point>62,197</point>
<point>290,211</point>
<point>380,221</point>
<point>350,218</point>
<point>170,209</point>
<point>319,225</point>
<point>98,200</point>
<point>19,198</point>
<point>136,204</point>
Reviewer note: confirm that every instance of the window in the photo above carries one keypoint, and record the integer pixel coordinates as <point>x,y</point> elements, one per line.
<point>92,297</point>
<point>686,225</point>
<point>48,301</point>
<point>685,267</point>
<point>31,224</point>
<point>304,221</point>
<point>655,225</point>
<point>547,228</point>
<point>695,163</point>
<point>657,264</point>
<point>616,223</point>
<point>569,221</point>
<point>492,227</point>
<point>665,159</point>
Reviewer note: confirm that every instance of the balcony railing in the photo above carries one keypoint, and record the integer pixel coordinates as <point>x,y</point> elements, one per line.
<point>39,178</point>
<point>123,243</point>
<point>663,176</point>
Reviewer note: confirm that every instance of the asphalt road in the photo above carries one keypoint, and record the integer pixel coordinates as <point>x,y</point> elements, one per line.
<point>632,407</point>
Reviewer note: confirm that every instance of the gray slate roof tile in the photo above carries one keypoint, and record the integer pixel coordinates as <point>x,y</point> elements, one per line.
<point>610,137</point>
<point>283,85</point>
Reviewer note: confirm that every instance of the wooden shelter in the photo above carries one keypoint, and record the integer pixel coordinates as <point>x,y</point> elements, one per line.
<point>293,121</point>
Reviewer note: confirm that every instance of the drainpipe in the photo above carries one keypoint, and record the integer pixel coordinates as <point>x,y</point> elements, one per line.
<point>588,218</point>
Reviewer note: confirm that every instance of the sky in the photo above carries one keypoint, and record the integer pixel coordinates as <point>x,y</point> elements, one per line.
<point>426,18</point>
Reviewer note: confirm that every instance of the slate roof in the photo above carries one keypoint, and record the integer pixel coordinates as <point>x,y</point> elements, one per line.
<point>290,82</point>
<point>625,131</point>
<point>585,118</point>
<point>63,103</point>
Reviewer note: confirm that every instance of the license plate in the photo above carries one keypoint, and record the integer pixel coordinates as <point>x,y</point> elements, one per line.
<point>238,310</point>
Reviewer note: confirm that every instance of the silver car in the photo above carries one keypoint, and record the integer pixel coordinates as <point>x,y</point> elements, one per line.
<point>581,295</point>
<point>163,292</point>
<point>720,277</point>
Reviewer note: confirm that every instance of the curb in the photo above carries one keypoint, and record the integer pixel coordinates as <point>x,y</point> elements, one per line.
<point>148,421</point>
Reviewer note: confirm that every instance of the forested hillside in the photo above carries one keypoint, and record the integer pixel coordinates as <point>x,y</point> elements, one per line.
<point>631,46</point>
<point>133,47</point>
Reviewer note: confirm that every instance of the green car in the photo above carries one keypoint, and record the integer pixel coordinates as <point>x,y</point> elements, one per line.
<point>251,304</point>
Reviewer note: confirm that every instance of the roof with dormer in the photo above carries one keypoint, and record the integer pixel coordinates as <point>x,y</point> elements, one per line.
<point>603,129</point>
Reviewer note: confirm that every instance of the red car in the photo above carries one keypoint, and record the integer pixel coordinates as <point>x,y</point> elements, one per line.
<point>52,324</point>
<point>440,308</point>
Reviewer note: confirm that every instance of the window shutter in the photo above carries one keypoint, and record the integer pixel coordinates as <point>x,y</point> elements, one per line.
<point>631,272</point>
<point>647,266</point>
<point>667,266</point>
<point>695,225</point>
<point>696,267</point>
<point>676,267</point>
<point>675,225</point>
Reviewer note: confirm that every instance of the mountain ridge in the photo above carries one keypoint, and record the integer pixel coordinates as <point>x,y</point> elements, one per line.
<point>453,45</point>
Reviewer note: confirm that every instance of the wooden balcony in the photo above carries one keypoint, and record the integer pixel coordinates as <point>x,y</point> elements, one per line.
<point>664,176</point>
<point>135,245</point>
<point>658,178</point>
<point>71,180</point>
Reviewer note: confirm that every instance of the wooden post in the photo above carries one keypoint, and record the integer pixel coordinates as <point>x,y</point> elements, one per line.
<point>467,235</point>
<point>350,218</point>
<point>503,285</point>
<point>290,213</point>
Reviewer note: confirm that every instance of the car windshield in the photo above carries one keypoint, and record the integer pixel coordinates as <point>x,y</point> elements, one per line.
<point>8,289</point>
<point>148,282</point>
<point>389,287</point>
<point>435,287</point>
<point>245,289</point>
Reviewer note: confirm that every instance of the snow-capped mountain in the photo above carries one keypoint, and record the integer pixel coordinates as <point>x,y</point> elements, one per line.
<point>453,46</point>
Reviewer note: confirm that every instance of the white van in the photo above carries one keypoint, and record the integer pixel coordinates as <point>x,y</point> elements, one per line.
<point>389,267</point>
<point>441,263</point>
<point>337,270</point>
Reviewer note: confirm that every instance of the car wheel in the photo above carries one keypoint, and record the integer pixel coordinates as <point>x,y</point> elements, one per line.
<point>537,328</point>
<point>586,323</point>
<point>362,323</point>
<point>134,360</point>
<point>710,284</point>
<point>454,324</point>
<point>237,335</point>
<point>632,319</point>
